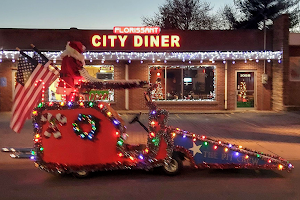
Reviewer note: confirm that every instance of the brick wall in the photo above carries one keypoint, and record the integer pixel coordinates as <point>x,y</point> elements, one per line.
<point>281,85</point>
<point>6,92</point>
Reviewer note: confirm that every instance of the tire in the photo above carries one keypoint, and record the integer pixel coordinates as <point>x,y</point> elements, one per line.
<point>174,167</point>
<point>81,174</point>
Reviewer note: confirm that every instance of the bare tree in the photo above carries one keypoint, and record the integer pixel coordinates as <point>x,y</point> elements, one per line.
<point>183,15</point>
<point>252,14</point>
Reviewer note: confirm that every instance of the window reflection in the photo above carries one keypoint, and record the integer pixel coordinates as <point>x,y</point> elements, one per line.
<point>183,82</point>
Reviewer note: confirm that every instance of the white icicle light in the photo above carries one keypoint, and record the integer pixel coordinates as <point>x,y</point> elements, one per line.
<point>171,56</point>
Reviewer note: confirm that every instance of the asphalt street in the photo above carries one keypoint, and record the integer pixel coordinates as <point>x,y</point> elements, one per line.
<point>269,132</point>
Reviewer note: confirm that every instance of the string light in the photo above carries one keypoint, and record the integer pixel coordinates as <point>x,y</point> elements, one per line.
<point>183,56</point>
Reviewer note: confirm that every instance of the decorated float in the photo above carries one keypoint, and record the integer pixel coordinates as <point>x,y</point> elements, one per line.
<point>78,137</point>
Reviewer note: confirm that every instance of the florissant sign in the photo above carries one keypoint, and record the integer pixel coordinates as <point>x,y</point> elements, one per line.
<point>137,37</point>
<point>136,30</point>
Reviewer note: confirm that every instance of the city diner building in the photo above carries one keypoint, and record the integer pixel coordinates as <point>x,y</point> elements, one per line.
<point>194,70</point>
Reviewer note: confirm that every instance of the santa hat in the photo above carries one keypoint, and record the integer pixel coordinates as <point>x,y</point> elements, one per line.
<point>75,50</point>
<point>78,46</point>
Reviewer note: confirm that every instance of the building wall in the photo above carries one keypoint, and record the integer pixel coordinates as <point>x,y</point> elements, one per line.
<point>140,71</point>
<point>280,79</point>
<point>6,91</point>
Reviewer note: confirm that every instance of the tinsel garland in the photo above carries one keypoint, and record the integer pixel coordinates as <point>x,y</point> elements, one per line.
<point>113,85</point>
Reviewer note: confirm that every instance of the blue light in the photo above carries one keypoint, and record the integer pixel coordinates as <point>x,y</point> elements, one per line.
<point>184,136</point>
<point>230,145</point>
<point>69,103</point>
<point>237,153</point>
<point>36,125</point>
<point>141,157</point>
<point>116,122</point>
<point>32,157</point>
<point>153,112</point>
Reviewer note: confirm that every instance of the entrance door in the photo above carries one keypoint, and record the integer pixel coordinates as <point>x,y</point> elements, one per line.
<point>245,89</point>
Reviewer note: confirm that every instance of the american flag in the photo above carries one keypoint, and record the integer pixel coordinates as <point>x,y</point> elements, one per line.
<point>27,92</point>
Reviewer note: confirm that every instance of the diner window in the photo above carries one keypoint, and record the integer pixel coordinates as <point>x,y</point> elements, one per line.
<point>183,83</point>
<point>101,72</point>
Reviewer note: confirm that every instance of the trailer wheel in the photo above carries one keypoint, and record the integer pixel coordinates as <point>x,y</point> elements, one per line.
<point>174,167</point>
<point>81,174</point>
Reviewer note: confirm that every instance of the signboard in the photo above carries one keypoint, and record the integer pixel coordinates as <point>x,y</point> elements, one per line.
<point>137,41</point>
<point>136,30</point>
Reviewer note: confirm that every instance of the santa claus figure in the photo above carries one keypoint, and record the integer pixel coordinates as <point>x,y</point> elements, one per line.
<point>72,69</point>
<point>72,63</point>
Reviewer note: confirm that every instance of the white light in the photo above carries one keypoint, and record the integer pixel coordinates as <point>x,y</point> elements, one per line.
<point>12,155</point>
<point>174,56</point>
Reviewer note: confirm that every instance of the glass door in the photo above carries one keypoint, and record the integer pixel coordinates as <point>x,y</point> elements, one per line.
<point>245,89</point>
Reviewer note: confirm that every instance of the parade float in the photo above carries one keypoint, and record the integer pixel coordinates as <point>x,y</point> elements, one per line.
<point>77,136</point>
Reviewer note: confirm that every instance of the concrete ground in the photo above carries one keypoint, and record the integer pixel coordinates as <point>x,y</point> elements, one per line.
<point>270,132</point>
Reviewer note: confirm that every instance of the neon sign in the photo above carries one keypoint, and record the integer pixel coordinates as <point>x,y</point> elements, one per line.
<point>136,30</point>
<point>150,41</point>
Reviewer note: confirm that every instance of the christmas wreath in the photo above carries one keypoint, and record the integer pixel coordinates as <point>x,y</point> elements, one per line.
<point>86,119</point>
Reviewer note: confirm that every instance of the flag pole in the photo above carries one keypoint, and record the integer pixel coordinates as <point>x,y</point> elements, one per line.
<point>40,53</point>
<point>31,60</point>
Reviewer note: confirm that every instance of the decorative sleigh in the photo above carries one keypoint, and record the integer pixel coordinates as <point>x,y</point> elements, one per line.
<point>88,136</point>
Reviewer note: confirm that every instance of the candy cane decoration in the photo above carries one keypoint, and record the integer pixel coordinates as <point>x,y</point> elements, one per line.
<point>59,119</point>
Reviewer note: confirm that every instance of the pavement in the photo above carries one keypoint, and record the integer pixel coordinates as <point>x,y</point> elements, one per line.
<point>267,131</point>
<point>270,132</point>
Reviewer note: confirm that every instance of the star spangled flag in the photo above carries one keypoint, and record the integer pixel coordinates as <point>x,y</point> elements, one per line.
<point>27,92</point>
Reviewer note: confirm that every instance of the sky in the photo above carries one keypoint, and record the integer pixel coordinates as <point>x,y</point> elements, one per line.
<point>84,14</point>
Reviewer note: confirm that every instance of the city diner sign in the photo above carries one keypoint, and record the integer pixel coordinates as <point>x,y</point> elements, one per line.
<point>137,37</point>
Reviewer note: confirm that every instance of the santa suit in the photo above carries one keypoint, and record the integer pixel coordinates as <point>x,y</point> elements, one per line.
<point>72,63</point>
